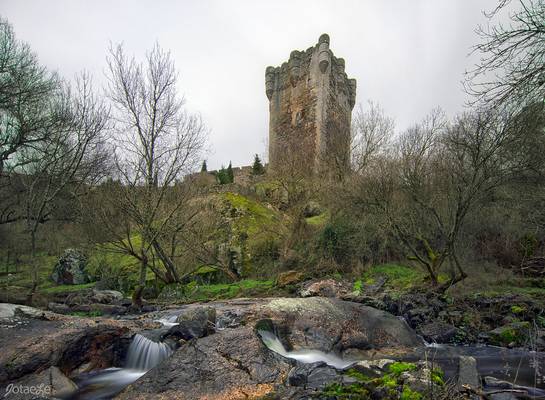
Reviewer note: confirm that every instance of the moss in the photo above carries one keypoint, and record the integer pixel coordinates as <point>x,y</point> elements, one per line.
<point>358,286</point>
<point>318,220</point>
<point>516,332</point>
<point>517,309</point>
<point>389,386</point>
<point>255,229</point>
<point>409,394</point>
<point>346,392</point>
<point>398,368</point>
<point>438,376</point>
<point>255,216</point>
<point>398,276</point>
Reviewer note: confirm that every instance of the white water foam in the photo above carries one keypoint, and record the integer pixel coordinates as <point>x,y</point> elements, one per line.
<point>305,356</point>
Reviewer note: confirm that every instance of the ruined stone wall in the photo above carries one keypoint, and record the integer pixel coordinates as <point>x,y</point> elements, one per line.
<point>310,105</point>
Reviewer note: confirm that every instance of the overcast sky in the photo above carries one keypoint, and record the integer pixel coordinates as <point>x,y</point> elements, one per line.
<point>409,56</point>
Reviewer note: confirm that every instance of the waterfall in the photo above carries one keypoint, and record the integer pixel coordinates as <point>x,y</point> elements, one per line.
<point>305,356</point>
<point>144,354</point>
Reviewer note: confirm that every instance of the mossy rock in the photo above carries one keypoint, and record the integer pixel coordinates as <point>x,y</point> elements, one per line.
<point>516,333</point>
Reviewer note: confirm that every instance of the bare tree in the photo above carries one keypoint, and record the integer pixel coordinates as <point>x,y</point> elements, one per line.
<point>372,132</point>
<point>511,68</point>
<point>157,142</point>
<point>26,92</point>
<point>437,177</point>
<point>71,158</point>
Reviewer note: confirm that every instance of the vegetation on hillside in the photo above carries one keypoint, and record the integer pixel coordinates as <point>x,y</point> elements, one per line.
<point>452,203</point>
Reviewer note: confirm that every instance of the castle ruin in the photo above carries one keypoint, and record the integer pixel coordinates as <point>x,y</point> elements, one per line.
<point>310,105</point>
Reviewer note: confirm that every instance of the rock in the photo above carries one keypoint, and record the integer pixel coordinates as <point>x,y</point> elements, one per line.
<point>193,323</point>
<point>230,364</point>
<point>348,328</point>
<point>71,269</point>
<point>515,333</point>
<point>325,288</point>
<point>33,340</point>
<point>493,384</point>
<point>438,332</point>
<point>106,296</point>
<point>312,209</point>
<point>59,308</point>
<point>467,372</point>
<point>419,378</point>
<point>322,376</point>
<point>204,316</point>
<point>48,383</point>
<point>229,319</point>
<point>298,375</point>
<point>289,278</point>
<point>417,316</point>
<point>8,311</point>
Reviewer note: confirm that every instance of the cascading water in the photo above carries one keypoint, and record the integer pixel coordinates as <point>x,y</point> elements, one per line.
<point>305,356</point>
<point>143,355</point>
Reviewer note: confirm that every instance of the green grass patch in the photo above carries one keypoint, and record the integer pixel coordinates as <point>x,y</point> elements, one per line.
<point>255,217</point>
<point>398,368</point>
<point>23,277</point>
<point>318,220</point>
<point>193,292</point>
<point>68,288</point>
<point>398,276</point>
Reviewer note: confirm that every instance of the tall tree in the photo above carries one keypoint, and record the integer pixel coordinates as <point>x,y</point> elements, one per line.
<point>512,56</point>
<point>26,92</point>
<point>257,166</point>
<point>229,172</point>
<point>63,165</point>
<point>157,143</point>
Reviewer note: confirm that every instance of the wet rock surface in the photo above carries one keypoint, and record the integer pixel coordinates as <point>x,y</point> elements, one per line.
<point>233,362</point>
<point>33,340</point>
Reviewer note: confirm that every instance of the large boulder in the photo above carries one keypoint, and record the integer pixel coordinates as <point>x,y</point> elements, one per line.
<point>325,288</point>
<point>231,364</point>
<point>34,340</point>
<point>193,323</point>
<point>45,384</point>
<point>289,278</point>
<point>71,268</point>
<point>351,329</point>
<point>438,332</point>
<point>234,363</point>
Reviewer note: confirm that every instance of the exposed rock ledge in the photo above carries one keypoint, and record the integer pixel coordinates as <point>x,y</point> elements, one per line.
<point>234,364</point>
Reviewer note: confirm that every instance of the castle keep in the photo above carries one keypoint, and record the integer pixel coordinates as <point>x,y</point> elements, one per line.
<point>310,105</point>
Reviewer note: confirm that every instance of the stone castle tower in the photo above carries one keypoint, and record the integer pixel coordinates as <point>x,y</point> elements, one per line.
<point>310,105</point>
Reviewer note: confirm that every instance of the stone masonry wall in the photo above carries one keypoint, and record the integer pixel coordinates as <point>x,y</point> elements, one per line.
<point>310,105</point>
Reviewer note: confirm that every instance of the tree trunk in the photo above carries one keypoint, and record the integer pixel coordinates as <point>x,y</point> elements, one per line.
<point>137,294</point>
<point>33,267</point>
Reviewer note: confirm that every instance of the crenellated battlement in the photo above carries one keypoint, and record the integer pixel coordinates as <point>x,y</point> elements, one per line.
<point>310,103</point>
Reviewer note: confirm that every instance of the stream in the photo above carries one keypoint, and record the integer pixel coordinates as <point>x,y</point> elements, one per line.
<point>518,366</point>
<point>143,354</point>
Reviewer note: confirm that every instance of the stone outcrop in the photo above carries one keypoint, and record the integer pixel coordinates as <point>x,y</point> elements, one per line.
<point>34,340</point>
<point>310,104</point>
<point>70,269</point>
